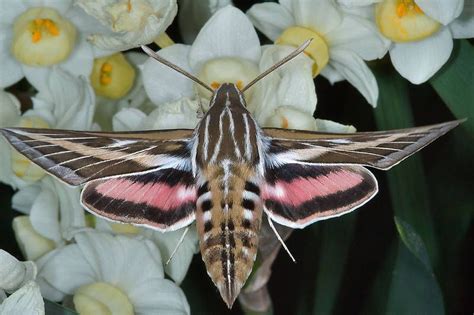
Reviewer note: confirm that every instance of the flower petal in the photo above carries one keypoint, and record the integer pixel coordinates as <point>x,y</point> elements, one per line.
<point>139,25</point>
<point>419,61</point>
<point>354,70</point>
<point>331,74</point>
<point>441,10</point>
<point>167,242</point>
<point>13,273</point>
<point>228,33</point>
<point>163,84</point>
<point>463,26</point>
<point>270,18</point>
<point>66,269</point>
<point>9,109</point>
<point>359,35</point>
<point>128,119</point>
<point>44,214</point>
<point>32,244</point>
<point>357,2</point>
<point>320,15</point>
<point>23,199</point>
<point>159,296</point>
<point>291,85</point>
<point>11,68</point>
<point>26,300</point>
<point>173,115</point>
<point>73,99</point>
<point>110,257</point>
<point>194,14</point>
<point>332,126</point>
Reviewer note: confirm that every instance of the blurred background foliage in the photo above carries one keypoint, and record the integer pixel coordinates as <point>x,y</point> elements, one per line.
<point>409,250</point>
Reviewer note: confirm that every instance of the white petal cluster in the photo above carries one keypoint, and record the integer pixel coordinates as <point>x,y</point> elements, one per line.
<point>17,279</point>
<point>419,59</point>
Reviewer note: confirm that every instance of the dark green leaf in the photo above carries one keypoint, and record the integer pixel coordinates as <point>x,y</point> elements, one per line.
<point>455,83</point>
<point>336,238</point>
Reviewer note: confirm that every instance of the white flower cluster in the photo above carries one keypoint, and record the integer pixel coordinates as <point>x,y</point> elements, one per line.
<point>71,52</point>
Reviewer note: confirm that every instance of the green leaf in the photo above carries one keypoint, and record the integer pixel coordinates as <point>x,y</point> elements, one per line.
<point>336,237</point>
<point>454,83</point>
<point>413,288</point>
<point>52,308</point>
<point>406,181</point>
<point>413,242</point>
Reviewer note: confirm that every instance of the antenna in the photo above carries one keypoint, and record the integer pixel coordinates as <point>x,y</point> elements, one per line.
<point>161,60</point>
<point>280,63</point>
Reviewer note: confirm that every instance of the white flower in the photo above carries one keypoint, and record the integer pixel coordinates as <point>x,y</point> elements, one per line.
<point>130,22</point>
<point>341,41</point>
<point>106,273</point>
<point>9,116</point>
<point>17,278</point>
<point>287,97</point>
<point>39,34</point>
<point>26,300</point>
<point>136,98</point>
<point>54,213</point>
<point>422,32</point>
<point>226,49</point>
<point>194,14</point>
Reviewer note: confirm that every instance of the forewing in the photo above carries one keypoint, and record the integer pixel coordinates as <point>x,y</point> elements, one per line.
<point>381,149</point>
<point>77,157</point>
<point>164,200</point>
<point>296,195</point>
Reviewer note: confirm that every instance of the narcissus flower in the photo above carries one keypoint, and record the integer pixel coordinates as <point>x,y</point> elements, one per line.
<point>129,23</point>
<point>341,41</point>
<point>37,35</point>
<point>17,278</point>
<point>287,97</point>
<point>422,32</point>
<point>106,273</point>
<point>227,49</point>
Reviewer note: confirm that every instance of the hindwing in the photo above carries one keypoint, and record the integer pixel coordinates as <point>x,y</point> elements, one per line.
<point>164,200</point>
<point>297,195</point>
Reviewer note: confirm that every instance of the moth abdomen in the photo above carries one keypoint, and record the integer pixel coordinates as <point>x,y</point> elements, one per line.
<point>228,219</point>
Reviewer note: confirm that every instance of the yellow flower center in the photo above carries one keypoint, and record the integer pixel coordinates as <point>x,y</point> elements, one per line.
<point>318,50</point>
<point>112,76</point>
<point>21,166</point>
<point>227,70</point>
<point>404,21</point>
<point>41,37</point>
<point>102,298</point>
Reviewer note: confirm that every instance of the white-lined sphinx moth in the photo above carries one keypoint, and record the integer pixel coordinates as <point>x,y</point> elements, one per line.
<point>224,174</point>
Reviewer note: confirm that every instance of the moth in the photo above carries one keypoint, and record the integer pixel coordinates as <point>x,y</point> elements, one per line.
<point>224,174</point>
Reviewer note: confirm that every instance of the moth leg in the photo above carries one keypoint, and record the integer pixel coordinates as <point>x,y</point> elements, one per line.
<point>181,239</point>
<point>270,222</point>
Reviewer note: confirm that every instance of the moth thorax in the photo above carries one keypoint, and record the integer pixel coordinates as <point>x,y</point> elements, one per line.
<point>228,218</point>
